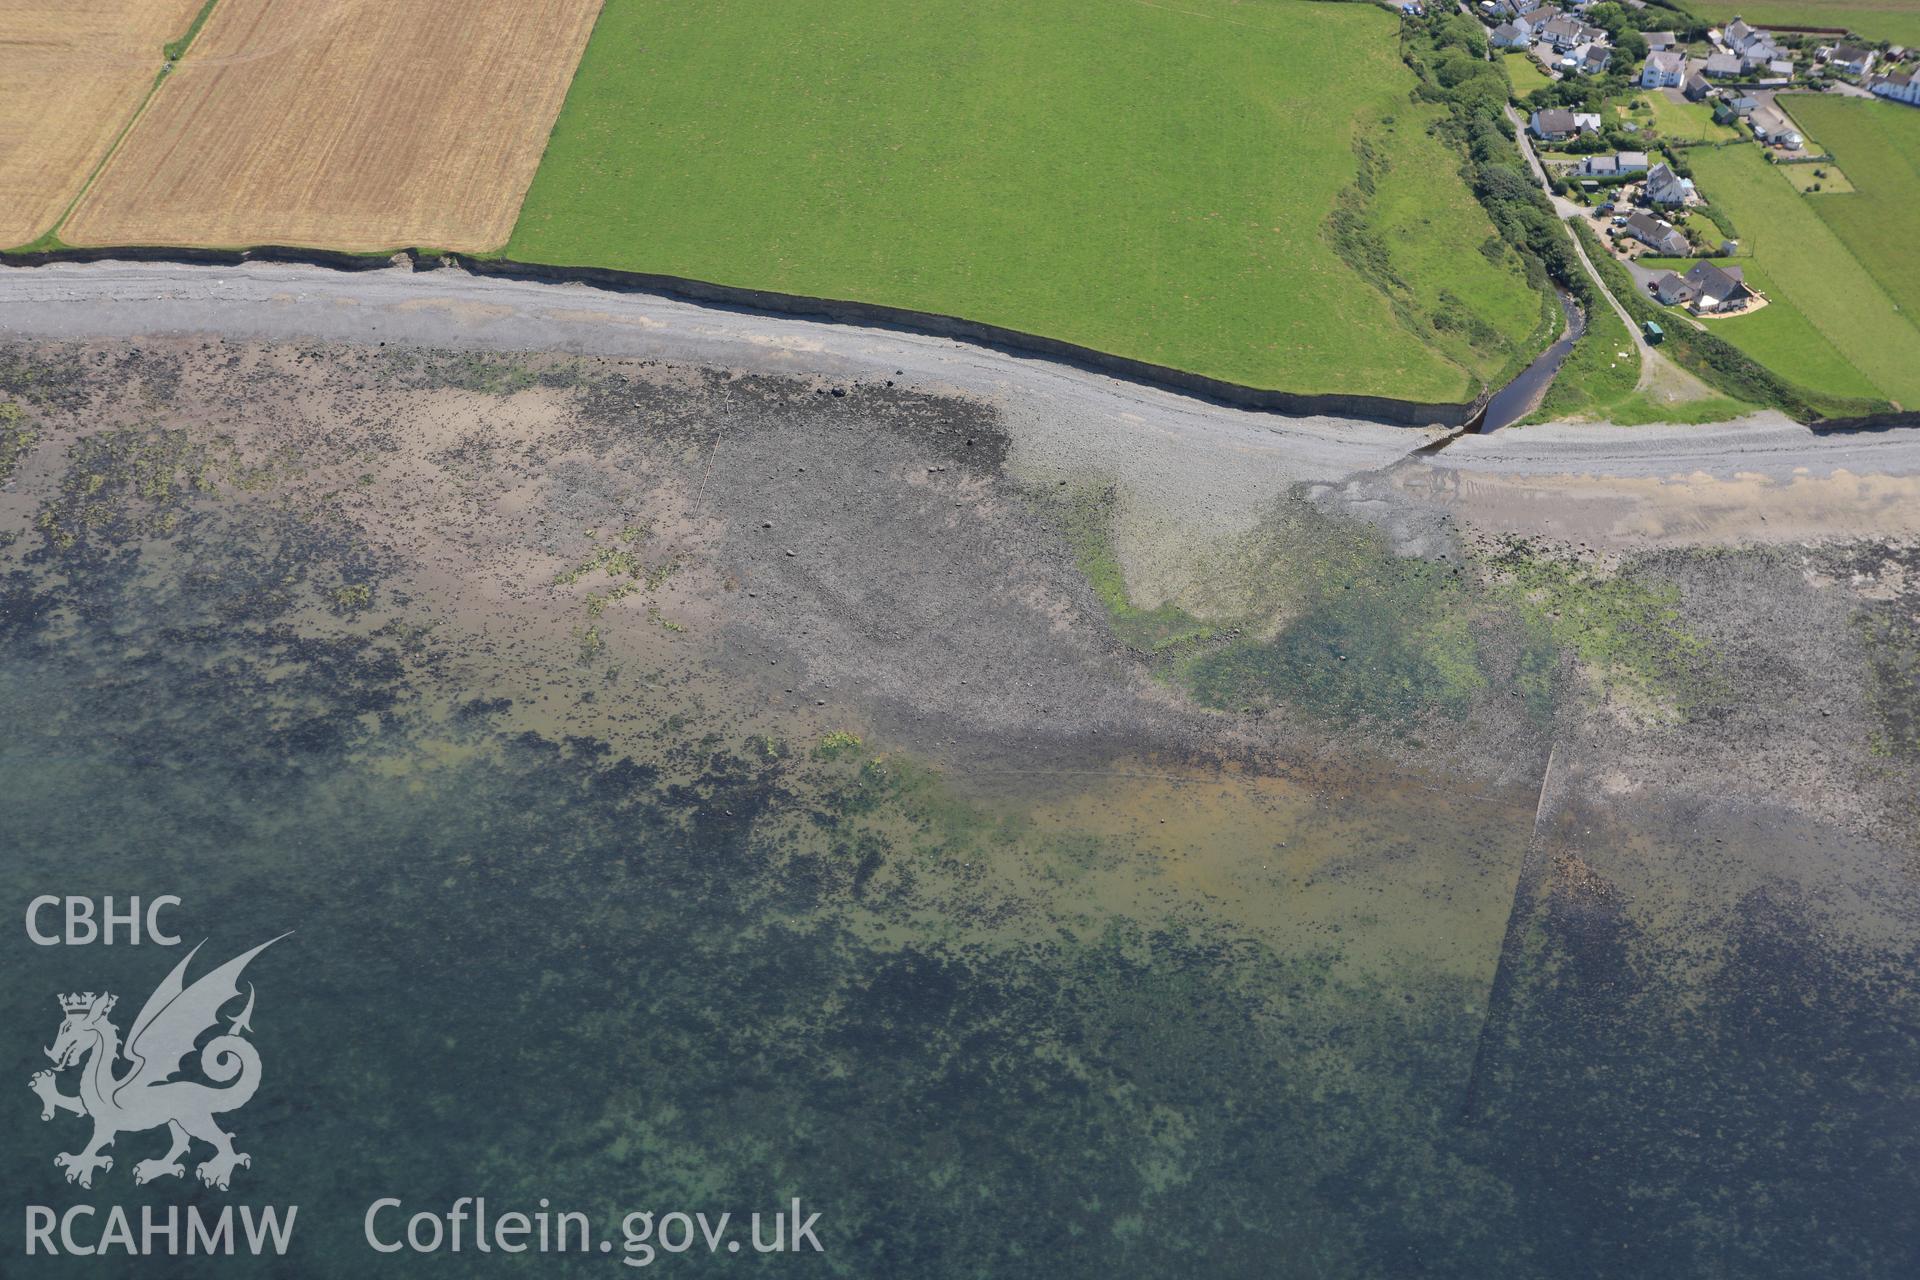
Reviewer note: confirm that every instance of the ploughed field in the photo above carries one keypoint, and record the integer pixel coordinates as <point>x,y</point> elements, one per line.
<point>348,124</point>
<point>71,76</point>
<point>1244,190</point>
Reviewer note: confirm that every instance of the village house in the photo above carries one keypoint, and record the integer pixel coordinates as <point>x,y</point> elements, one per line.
<point>1663,70</point>
<point>1613,166</point>
<point>1780,69</point>
<point>1657,234</point>
<point>1665,187</point>
<point>1510,35</point>
<point>1554,125</point>
<point>1771,126</point>
<point>1901,86</point>
<point>1753,47</point>
<point>1852,59</point>
<point>1716,289</point>
<point>1670,289</point>
<point>1696,88</point>
<point>1568,32</point>
<point>1587,121</point>
<point>1592,59</point>
<point>1722,66</point>
<point>1659,40</point>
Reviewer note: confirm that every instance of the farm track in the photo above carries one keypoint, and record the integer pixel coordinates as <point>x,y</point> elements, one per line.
<point>74,76</point>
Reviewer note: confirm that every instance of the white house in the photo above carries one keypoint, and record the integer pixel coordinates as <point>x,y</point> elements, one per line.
<point>1664,186</point>
<point>1716,288</point>
<point>1851,59</point>
<point>1510,35</point>
<point>1663,70</point>
<point>1592,59</point>
<point>1901,86</point>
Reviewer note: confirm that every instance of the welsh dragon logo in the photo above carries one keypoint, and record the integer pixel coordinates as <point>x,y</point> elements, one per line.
<point>146,1095</point>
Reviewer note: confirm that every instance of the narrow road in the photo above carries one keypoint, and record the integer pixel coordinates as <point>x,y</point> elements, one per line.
<point>1654,367</point>
<point>1647,353</point>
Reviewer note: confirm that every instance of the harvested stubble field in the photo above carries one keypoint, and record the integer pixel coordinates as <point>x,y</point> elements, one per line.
<point>1177,183</point>
<point>73,75</point>
<point>349,124</point>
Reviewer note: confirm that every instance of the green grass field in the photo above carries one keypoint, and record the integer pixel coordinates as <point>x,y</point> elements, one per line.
<point>1781,337</point>
<point>1597,384</point>
<point>1808,268</point>
<point>1155,181</point>
<point>1894,20</point>
<point>1878,146</point>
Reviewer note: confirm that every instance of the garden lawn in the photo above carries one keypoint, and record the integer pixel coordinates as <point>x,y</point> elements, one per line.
<point>1810,269</point>
<point>1781,338</point>
<point>1524,73</point>
<point>1897,21</point>
<point>1877,144</point>
<point>1684,121</point>
<point>1146,180</point>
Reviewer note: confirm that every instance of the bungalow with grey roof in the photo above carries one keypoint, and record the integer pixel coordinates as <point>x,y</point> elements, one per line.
<point>1671,289</point>
<point>1592,59</point>
<point>1613,166</point>
<point>1716,288</point>
<point>1659,39</point>
<point>1771,126</point>
<point>1552,125</point>
<point>1509,35</point>
<point>1658,234</point>
<point>1722,66</point>
<point>1696,87</point>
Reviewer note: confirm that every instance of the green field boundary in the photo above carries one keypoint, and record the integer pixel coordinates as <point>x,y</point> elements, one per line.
<point>177,49</point>
<point>171,52</point>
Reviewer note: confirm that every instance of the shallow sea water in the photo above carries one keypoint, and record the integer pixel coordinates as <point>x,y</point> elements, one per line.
<point>1160,1018</point>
